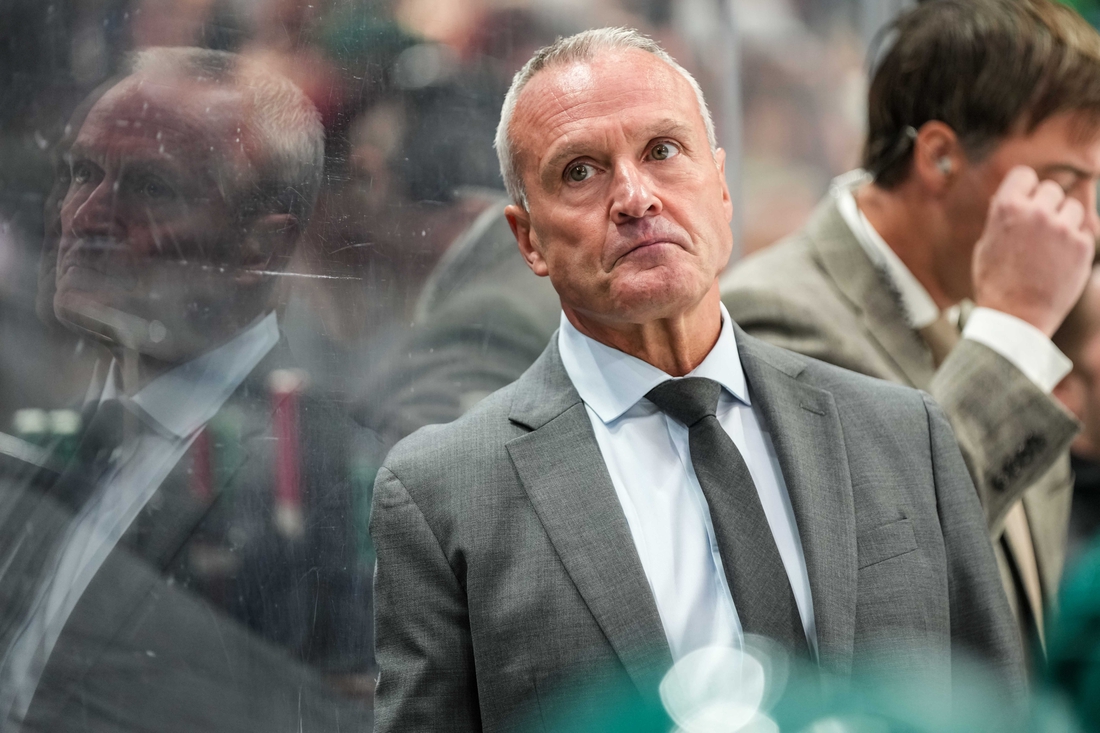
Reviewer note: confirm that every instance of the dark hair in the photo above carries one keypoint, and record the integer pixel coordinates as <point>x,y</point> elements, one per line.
<point>986,68</point>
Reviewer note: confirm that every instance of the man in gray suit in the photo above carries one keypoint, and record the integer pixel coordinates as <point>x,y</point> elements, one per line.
<point>980,185</point>
<point>658,482</point>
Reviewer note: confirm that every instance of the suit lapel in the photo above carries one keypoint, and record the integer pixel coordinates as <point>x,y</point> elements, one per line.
<point>171,520</point>
<point>804,426</point>
<point>869,292</point>
<point>564,475</point>
<point>159,536</point>
<point>243,423</point>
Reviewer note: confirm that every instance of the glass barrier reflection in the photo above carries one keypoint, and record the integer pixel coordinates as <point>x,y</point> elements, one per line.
<point>183,499</point>
<point>181,553</point>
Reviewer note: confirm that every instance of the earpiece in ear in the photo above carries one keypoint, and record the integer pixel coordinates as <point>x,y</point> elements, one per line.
<point>944,165</point>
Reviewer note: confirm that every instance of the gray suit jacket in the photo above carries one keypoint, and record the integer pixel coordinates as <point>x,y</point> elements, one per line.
<point>817,293</point>
<point>506,566</point>
<point>163,638</point>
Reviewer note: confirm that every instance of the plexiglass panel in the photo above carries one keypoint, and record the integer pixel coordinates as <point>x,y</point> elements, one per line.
<point>246,246</point>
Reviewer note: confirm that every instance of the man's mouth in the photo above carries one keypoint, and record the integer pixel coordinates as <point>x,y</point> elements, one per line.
<point>91,254</point>
<point>97,265</point>
<point>647,246</point>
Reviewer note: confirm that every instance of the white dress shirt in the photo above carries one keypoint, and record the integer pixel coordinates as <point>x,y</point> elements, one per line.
<point>1025,346</point>
<point>646,453</point>
<point>171,411</point>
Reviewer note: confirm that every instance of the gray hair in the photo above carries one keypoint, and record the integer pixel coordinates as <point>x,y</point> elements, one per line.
<point>580,47</point>
<point>279,117</point>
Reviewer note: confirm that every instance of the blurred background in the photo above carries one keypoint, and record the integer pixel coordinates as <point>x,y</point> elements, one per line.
<point>409,92</point>
<point>407,217</point>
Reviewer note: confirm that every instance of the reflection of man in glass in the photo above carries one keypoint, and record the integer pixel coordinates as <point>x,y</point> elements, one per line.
<point>185,193</point>
<point>172,572</point>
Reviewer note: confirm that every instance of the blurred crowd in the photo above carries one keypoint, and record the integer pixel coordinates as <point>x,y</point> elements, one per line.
<point>248,245</point>
<point>409,94</point>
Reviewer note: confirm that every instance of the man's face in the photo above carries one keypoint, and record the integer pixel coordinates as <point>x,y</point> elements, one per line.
<point>148,238</point>
<point>628,210</point>
<point>1064,149</point>
<point>1080,390</point>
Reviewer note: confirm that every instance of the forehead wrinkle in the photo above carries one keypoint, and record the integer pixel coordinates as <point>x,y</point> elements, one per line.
<point>142,153</point>
<point>131,102</point>
<point>176,133</point>
<point>591,113</point>
<point>573,85</point>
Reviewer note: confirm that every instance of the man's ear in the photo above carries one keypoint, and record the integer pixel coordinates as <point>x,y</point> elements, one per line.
<point>520,221</point>
<point>727,201</point>
<point>937,156</point>
<point>268,242</point>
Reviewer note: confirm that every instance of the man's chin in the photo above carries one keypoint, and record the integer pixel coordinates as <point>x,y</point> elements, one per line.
<point>114,326</point>
<point>651,296</point>
<point>88,316</point>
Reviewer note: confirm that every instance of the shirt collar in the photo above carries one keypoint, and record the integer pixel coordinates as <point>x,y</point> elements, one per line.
<point>184,399</point>
<point>611,381</point>
<point>920,309</point>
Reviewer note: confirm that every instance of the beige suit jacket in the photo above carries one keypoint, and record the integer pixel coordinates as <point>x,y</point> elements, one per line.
<point>818,293</point>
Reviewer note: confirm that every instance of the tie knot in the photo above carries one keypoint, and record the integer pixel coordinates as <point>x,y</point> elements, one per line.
<point>687,400</point>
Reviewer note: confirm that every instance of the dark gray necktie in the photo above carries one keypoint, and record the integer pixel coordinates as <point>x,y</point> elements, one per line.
<point>34,532</point>
<point>761,590</point>
<point>94,455</point>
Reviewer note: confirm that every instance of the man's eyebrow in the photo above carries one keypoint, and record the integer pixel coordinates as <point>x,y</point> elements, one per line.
<point>77,150</point>
<point>550,168</point>
<point>668,128</point>
<point>1069,168</point>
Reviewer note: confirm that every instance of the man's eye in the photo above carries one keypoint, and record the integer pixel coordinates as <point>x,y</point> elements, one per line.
<point>153,188</point>
<point>1065,180</point>
<point>664,151</point>
<point>82,172</point>
<point>579,172</point>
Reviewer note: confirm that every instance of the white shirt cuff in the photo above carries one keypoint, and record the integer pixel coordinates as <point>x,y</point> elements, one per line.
<point>1025,346</point>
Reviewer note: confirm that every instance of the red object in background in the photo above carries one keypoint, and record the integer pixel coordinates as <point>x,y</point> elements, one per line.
<point>202,468</point>
<point>285,387</point>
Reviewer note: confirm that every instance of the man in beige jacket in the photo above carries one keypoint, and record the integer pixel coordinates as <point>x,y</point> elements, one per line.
<point>949,262</point>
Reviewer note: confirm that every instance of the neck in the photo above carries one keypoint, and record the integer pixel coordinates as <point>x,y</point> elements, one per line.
<point>136,370</point>
<point>908,222</point>
<point>675,345</point>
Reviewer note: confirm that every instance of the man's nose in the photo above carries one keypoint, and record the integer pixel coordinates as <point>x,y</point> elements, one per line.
<point>633,194</point>
<point>1092,217</point>
<point>97,214</point>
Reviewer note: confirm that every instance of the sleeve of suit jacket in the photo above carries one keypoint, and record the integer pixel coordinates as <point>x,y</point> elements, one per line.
<point>422,629</point>
<point>1009,430</point>
<point>981,621</point>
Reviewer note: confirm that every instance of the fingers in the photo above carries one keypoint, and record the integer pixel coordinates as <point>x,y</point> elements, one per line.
<point>1092,224</point>
<point>1049,195</point>
<point>1020,181</point>
<point>1072,214</point>
<point>1035,251</point>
